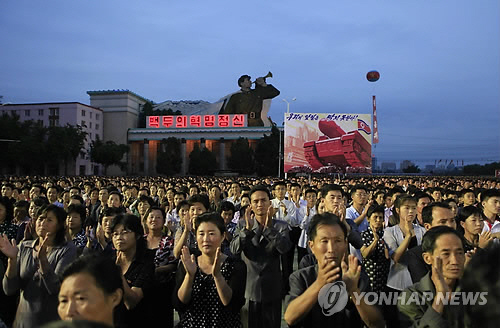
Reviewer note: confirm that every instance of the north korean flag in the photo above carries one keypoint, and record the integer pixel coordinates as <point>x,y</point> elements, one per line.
<point>363,126</point>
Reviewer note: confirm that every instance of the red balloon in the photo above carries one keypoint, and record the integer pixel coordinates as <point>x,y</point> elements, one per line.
<point>373,76</point>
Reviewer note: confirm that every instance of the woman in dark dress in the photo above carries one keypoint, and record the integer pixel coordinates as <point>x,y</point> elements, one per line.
<point>137,268</point>
<point>165,262</point>
<point>210,288</point>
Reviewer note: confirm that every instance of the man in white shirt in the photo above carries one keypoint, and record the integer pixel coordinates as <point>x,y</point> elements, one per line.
<point>360,204</point>
<point>304,215</point>
<point>286,211</point>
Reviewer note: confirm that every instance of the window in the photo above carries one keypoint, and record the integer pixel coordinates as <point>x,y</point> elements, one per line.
<point>90,134</point>
<point>97,116</point>
<point>97,136</point>
<point>40,122</point>
<point>54,111</point>
<point>84,123</point>
<point>83,112</point>
<point>27,112</point>
<point>90,125</point>
<point>97,126</point>
<point>40,112</point>
<point>91,114</point>
<point>82,155</point>
<point>54,116</point>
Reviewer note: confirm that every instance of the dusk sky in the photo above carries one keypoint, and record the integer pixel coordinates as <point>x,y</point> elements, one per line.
<point>438,96</point>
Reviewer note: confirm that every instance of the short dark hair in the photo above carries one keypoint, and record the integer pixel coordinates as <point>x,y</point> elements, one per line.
<point>468,211</point>
<point>427,211</point>
<point>324,219</point>
<point>9,209</point>
<point>211,217</point>
<point>109,211</point>
<point>418,196</point>
<point>260,188</point>
<point>181,204</point>
<point>485,195</point>
<point>243,78</point>
<point>279,183</point>
<point>200,198</point>
<point>116,193</point>
<point>81,210</point>
<point>132,223</point>
<point>105,272</point>
<point>330,187</point>
<point>157,208</point>
<point>227,206</point>
<point>430,237</point>
<point>356,188</point>
<point>144,198</point>
<point>375,209</point>
<point>78,198</point>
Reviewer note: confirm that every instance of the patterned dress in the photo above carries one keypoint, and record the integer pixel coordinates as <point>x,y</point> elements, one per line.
<point>205,308</point>
<point>376,264</point>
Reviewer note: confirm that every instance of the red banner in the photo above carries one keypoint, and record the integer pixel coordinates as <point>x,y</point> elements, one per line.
<point>375,124</point>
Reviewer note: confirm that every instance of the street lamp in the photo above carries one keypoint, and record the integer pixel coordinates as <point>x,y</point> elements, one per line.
<point>288,104</point>
<point>280,152</point>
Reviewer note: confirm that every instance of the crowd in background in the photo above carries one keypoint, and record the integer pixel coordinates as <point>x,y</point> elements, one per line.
<point>233,252</point>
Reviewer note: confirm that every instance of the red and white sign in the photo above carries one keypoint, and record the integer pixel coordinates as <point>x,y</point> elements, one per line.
<point>197,121</point>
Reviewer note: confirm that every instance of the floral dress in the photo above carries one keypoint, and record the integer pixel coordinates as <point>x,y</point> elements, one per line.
<point>376,264</point>
<point>205,308</point>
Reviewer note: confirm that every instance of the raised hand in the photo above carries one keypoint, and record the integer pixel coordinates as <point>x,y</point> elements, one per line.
<point>351,273</point>
<point>248,218</point>
<point>101,238</point>
<point>8,248</point>
<point>328,272</point>
<point>271,211</point>
<point>217,263</point>
<point>188,261</point>
<point>41,254</point>
<point>188,224</point>
<point>340,211</point>
<point>484,239</point>
<point>468,256</point>
<point>438,278</point>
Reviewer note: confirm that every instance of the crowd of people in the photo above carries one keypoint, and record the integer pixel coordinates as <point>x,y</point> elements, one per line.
<point>248,252</point>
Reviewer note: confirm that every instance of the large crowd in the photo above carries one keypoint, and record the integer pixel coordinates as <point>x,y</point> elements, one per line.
<point>248,252</point>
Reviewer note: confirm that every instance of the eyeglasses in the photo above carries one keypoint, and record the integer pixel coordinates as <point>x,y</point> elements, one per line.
<point>121,233</point>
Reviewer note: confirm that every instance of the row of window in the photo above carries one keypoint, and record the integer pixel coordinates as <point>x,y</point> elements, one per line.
<point>55,111</point>
<point>90,114</point>
<point>90,125</point>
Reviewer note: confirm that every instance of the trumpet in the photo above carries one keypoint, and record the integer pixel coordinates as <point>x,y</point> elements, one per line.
<point>269,74</point>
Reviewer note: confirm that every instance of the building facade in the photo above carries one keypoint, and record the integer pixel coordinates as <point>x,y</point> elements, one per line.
<point>60,114</point>
<point>113,115</point>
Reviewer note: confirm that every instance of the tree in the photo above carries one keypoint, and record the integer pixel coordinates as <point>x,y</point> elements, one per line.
<point>202,161</point>
<point>486,169</point>
<point>411,169</point>
<point>267,153</point>
<point>107,153</point>
<point>169,161</point>
<point>147,110</point>
<point>64,143</point>
<point>242,157</point>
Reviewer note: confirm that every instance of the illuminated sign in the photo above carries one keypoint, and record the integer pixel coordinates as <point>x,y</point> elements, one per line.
<point>197,121</point>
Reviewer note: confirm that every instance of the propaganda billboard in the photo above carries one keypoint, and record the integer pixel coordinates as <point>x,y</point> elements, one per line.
<point>328,143</point>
